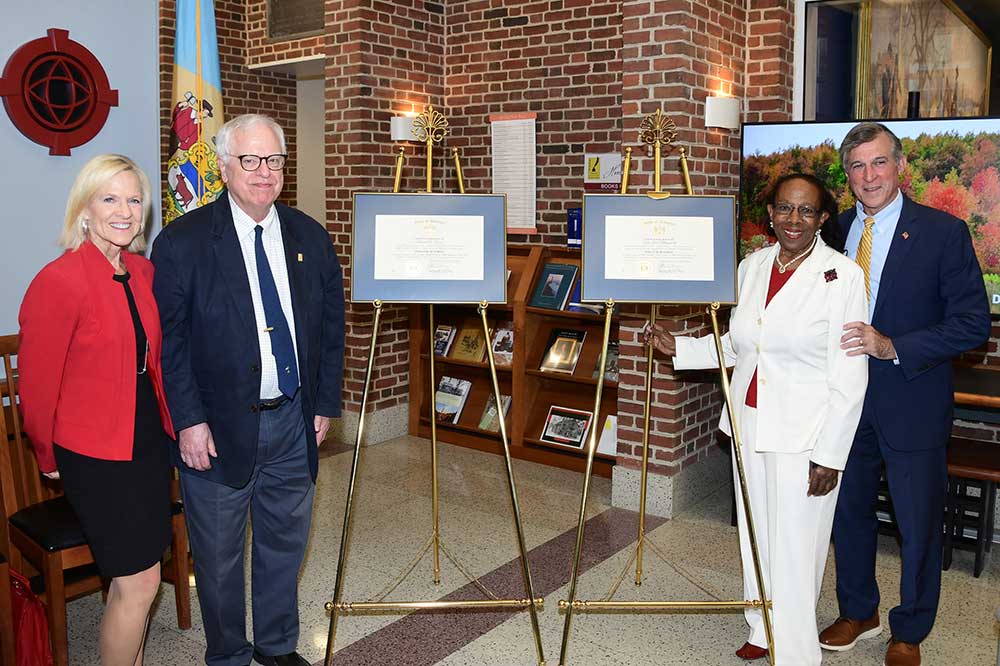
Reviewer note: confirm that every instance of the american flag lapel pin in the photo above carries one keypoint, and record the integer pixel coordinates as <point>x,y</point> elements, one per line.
<point>300,257</point>
<point>906,234</point>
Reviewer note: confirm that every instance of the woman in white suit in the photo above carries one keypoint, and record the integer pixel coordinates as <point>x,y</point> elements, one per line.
<point>798,399</point>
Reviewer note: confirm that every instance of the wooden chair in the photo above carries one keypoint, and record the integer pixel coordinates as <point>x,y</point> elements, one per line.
<point>973,475</point>
<point>44,531</point>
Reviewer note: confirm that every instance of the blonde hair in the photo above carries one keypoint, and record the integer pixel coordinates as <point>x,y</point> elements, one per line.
<point>92,177</point>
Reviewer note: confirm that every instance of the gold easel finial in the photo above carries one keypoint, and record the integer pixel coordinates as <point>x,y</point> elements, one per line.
<point>430,125</point>
<point>657,128</point>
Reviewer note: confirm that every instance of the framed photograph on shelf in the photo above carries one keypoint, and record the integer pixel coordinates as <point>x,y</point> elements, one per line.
<point>640,249</point>
<point>429,248</point>
<point>566,427</point>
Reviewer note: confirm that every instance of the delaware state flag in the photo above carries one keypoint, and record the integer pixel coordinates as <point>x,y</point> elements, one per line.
<point>192,171</point>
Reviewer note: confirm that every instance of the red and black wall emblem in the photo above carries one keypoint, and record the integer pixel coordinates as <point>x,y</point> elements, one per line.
<point>56,92</point>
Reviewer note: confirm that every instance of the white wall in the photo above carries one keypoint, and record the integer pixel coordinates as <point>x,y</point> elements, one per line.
<point>33,189</point>
<point>310,161</point>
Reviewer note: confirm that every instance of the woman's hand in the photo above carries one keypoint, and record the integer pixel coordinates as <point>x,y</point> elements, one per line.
<point>821,480</point>
<point>661,340</point>
<point>51,475</point>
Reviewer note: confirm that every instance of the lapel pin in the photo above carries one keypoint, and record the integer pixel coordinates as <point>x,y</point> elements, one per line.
<point>906,234</point>
<point>300,257</point>
<point>830,275</point>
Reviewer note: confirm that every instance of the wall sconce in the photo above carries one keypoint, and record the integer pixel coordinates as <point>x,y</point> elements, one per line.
<point>401,128</point>
<point>722,112</point>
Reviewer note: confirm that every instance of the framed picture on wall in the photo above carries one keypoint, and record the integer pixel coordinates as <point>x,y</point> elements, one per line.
<point>894,59</point>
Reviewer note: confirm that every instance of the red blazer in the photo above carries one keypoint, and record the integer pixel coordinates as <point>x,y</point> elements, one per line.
<point>76,360</point>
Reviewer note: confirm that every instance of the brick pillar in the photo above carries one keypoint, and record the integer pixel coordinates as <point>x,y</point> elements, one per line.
<point>379,62</point>
<point>677,53</point>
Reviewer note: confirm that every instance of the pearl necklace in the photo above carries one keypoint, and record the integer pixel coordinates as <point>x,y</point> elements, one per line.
<point>782,267</point>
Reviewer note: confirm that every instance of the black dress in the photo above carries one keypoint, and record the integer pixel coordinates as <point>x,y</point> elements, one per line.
<point>124,506</point>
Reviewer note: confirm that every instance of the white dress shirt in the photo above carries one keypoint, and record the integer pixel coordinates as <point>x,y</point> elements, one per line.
<point>274,248</point>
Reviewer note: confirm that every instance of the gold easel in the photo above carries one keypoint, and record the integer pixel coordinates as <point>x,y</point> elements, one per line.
<point>430,127</point>
<point>657,130</point>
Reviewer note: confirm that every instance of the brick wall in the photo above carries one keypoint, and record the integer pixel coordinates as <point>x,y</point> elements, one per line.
<point>261,49</point>
<point>243,90</point>
<point>769,44</point>
<point>557,58</point>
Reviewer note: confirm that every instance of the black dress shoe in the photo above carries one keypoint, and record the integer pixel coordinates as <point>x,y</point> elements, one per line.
<point>290,659</point>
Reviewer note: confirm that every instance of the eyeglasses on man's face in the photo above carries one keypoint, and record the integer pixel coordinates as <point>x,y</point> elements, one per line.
<point>805,212</point>
<point>274,162</point>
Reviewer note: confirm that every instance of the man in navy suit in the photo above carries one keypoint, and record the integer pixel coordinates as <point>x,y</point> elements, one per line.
<point>927,305</point>
<point>252,306</point>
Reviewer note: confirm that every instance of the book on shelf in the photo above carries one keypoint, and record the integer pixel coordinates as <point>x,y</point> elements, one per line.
<point>575,305</point>
<point>610,363</point>
<point>489,420</point>
<point>565,426</point>
<point>563,351</point>
<point>608,443</point>
<point>503,343</point>
<point>554,286</point>
<point>450,398</point>
<point>470,343</point>
<point>444,335</point>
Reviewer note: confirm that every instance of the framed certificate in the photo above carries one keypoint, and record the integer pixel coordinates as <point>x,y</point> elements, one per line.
<point>429,248</point>
<point>640,249</point>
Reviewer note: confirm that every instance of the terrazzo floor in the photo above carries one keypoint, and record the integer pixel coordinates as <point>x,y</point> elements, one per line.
<point>393,521</point>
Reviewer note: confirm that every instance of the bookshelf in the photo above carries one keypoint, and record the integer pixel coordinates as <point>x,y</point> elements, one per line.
<point>532,391</point>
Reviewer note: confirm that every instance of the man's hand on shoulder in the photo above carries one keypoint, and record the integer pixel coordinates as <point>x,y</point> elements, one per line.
<point>197,446</point>
<point>861,338</point>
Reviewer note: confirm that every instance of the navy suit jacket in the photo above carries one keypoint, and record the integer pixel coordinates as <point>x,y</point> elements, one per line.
<point>211,355</point>
<point>932,303</point>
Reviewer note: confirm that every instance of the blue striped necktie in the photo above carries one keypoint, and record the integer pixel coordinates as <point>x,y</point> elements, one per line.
<point>281,338</point>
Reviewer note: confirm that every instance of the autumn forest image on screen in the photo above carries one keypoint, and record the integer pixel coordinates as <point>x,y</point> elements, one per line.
<point>952,165</point>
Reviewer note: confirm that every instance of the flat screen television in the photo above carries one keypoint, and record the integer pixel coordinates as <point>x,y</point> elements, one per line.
<point>952,164</point>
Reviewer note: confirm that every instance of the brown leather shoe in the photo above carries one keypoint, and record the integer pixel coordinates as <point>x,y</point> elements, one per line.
<point>843,634</point>
<point>902,654</point>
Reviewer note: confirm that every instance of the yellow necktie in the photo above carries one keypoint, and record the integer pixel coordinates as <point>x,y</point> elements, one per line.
<point>864,256</point>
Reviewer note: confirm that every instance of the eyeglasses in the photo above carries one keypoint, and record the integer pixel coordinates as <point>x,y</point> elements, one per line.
<point>274,162</point>
<point>805,212</point>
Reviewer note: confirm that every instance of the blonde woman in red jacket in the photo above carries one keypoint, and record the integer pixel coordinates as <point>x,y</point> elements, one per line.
<point>92,393</point>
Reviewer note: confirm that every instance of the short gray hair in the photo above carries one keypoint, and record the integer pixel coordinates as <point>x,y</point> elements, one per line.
<point>224,136</point>
<point>865,132</point>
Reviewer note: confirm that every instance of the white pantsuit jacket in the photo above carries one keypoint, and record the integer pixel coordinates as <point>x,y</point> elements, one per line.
<point>809,392</point>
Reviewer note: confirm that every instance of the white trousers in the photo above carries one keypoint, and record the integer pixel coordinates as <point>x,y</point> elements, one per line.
<point>793,539</point>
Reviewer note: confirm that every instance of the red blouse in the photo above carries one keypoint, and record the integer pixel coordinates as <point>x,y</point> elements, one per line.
<point>777,281</point>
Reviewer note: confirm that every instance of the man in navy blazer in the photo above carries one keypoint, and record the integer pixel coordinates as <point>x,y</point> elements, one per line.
<point>252,307</point>
<point>927,305</point>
